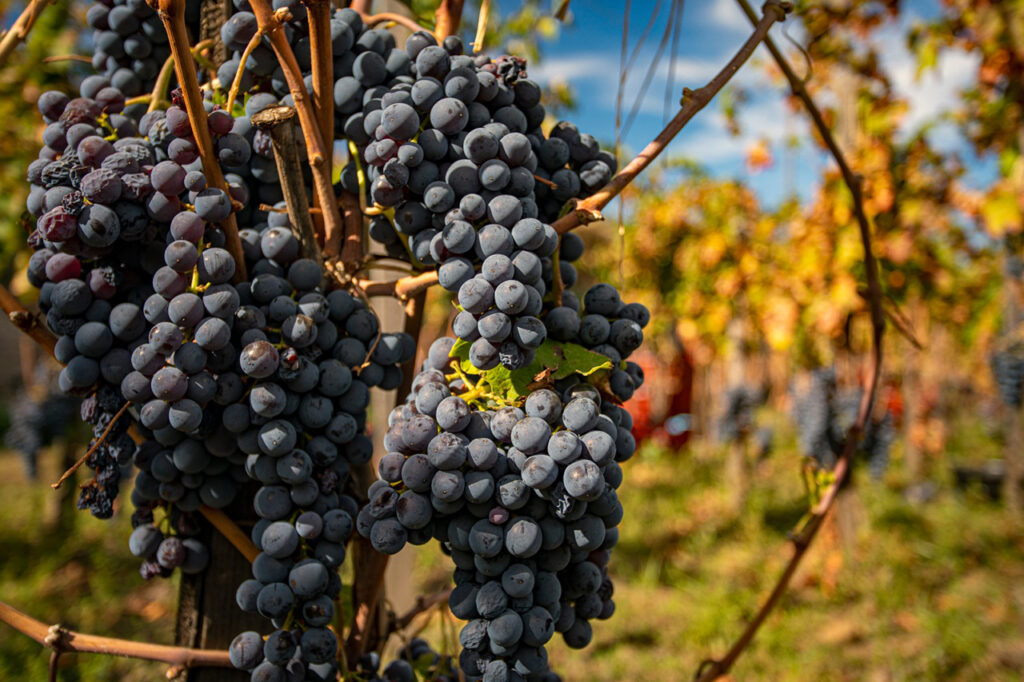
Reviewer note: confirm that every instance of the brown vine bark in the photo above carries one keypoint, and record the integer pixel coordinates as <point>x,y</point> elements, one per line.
<point>280,123</point>
<point>19,30</point>
<point>447,17</point>
<point>172,13</point>
<point>59,639</point>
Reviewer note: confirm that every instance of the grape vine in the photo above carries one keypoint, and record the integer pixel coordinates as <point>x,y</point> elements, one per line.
<point>222,350</point>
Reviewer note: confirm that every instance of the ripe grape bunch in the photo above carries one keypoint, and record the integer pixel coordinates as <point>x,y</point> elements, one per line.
<point>220,366</point>
<point>1007,367</point>
<point>823,415</point>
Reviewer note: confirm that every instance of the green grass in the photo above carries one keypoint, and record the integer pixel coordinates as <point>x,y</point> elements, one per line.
<point>74,570</point>
<point>891,590</point>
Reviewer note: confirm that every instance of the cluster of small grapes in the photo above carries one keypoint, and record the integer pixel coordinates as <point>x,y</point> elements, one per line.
<point>501,303</point>
<point>161,552</point>
<point>95,251</point>
<point>877,444</point>
<point>113,449</point>
<point>129,42</point>
<point>1008,370</point>
<point>522,498</point>
<point>456,151</point>
<point>823,416</point>
<point>308,361</point>
<point>415,657</point>
<point>607,326</point>
<point>738,418</point>
<point>819,434</point>
<point>468,485</point>
<point>115,197</point>
<point>38,418</point>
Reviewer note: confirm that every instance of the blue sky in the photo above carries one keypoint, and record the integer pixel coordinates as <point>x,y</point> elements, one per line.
<point>586,55</point>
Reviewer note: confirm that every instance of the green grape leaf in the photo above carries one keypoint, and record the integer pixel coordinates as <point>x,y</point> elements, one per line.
<point>564,359</point>
<point>552,361</point>
<point>460,352</point>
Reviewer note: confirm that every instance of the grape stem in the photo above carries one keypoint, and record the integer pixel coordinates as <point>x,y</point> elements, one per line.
<point>322,62</point>
<point>163,82</point>
<point>279,121</point>
<point>382,17</point>
<point>319,156</point>
<point>20,28</point>
<point>236,82</point>
<point>545,181</point>
<point>93,448</point>
<point>481,26</point>
<point>25,321</point>
<point>713,669</point>
<point>352,244</point>
<point>589,209</point>
<point>557,283</point>
<point>231,532</point>
<point>67,58</point>
<point>172,13</point>
<point>61,640</point>
<point>422,605</point>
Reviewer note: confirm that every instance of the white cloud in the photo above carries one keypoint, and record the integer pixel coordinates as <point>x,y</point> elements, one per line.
<point>936,91</point>
<point>597,75</point>
<point>723,14</point>
<point>588,67</point>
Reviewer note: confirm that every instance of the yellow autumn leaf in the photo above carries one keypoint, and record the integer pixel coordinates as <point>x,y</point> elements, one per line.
<point>547,27</point>
<point>1001,213</point>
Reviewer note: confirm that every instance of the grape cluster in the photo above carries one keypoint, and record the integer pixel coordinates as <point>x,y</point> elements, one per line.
<point>738,417</point>
<point>260,385</point>
<point>129,42</point>
<point>823,416</point>
<point>877,444</point>
<point>524,501</point>
<point>1008,370</point>
<point>37,420</point>
<point>94,254</point>
<point>310,361</point>
<point>819,433</point>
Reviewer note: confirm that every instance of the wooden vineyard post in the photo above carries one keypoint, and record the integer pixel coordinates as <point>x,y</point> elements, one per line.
<point>208,617</point>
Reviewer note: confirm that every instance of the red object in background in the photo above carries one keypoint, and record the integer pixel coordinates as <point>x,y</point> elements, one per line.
<point>649,407</point>
<point>681,403</point>
<point>893,400</point>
